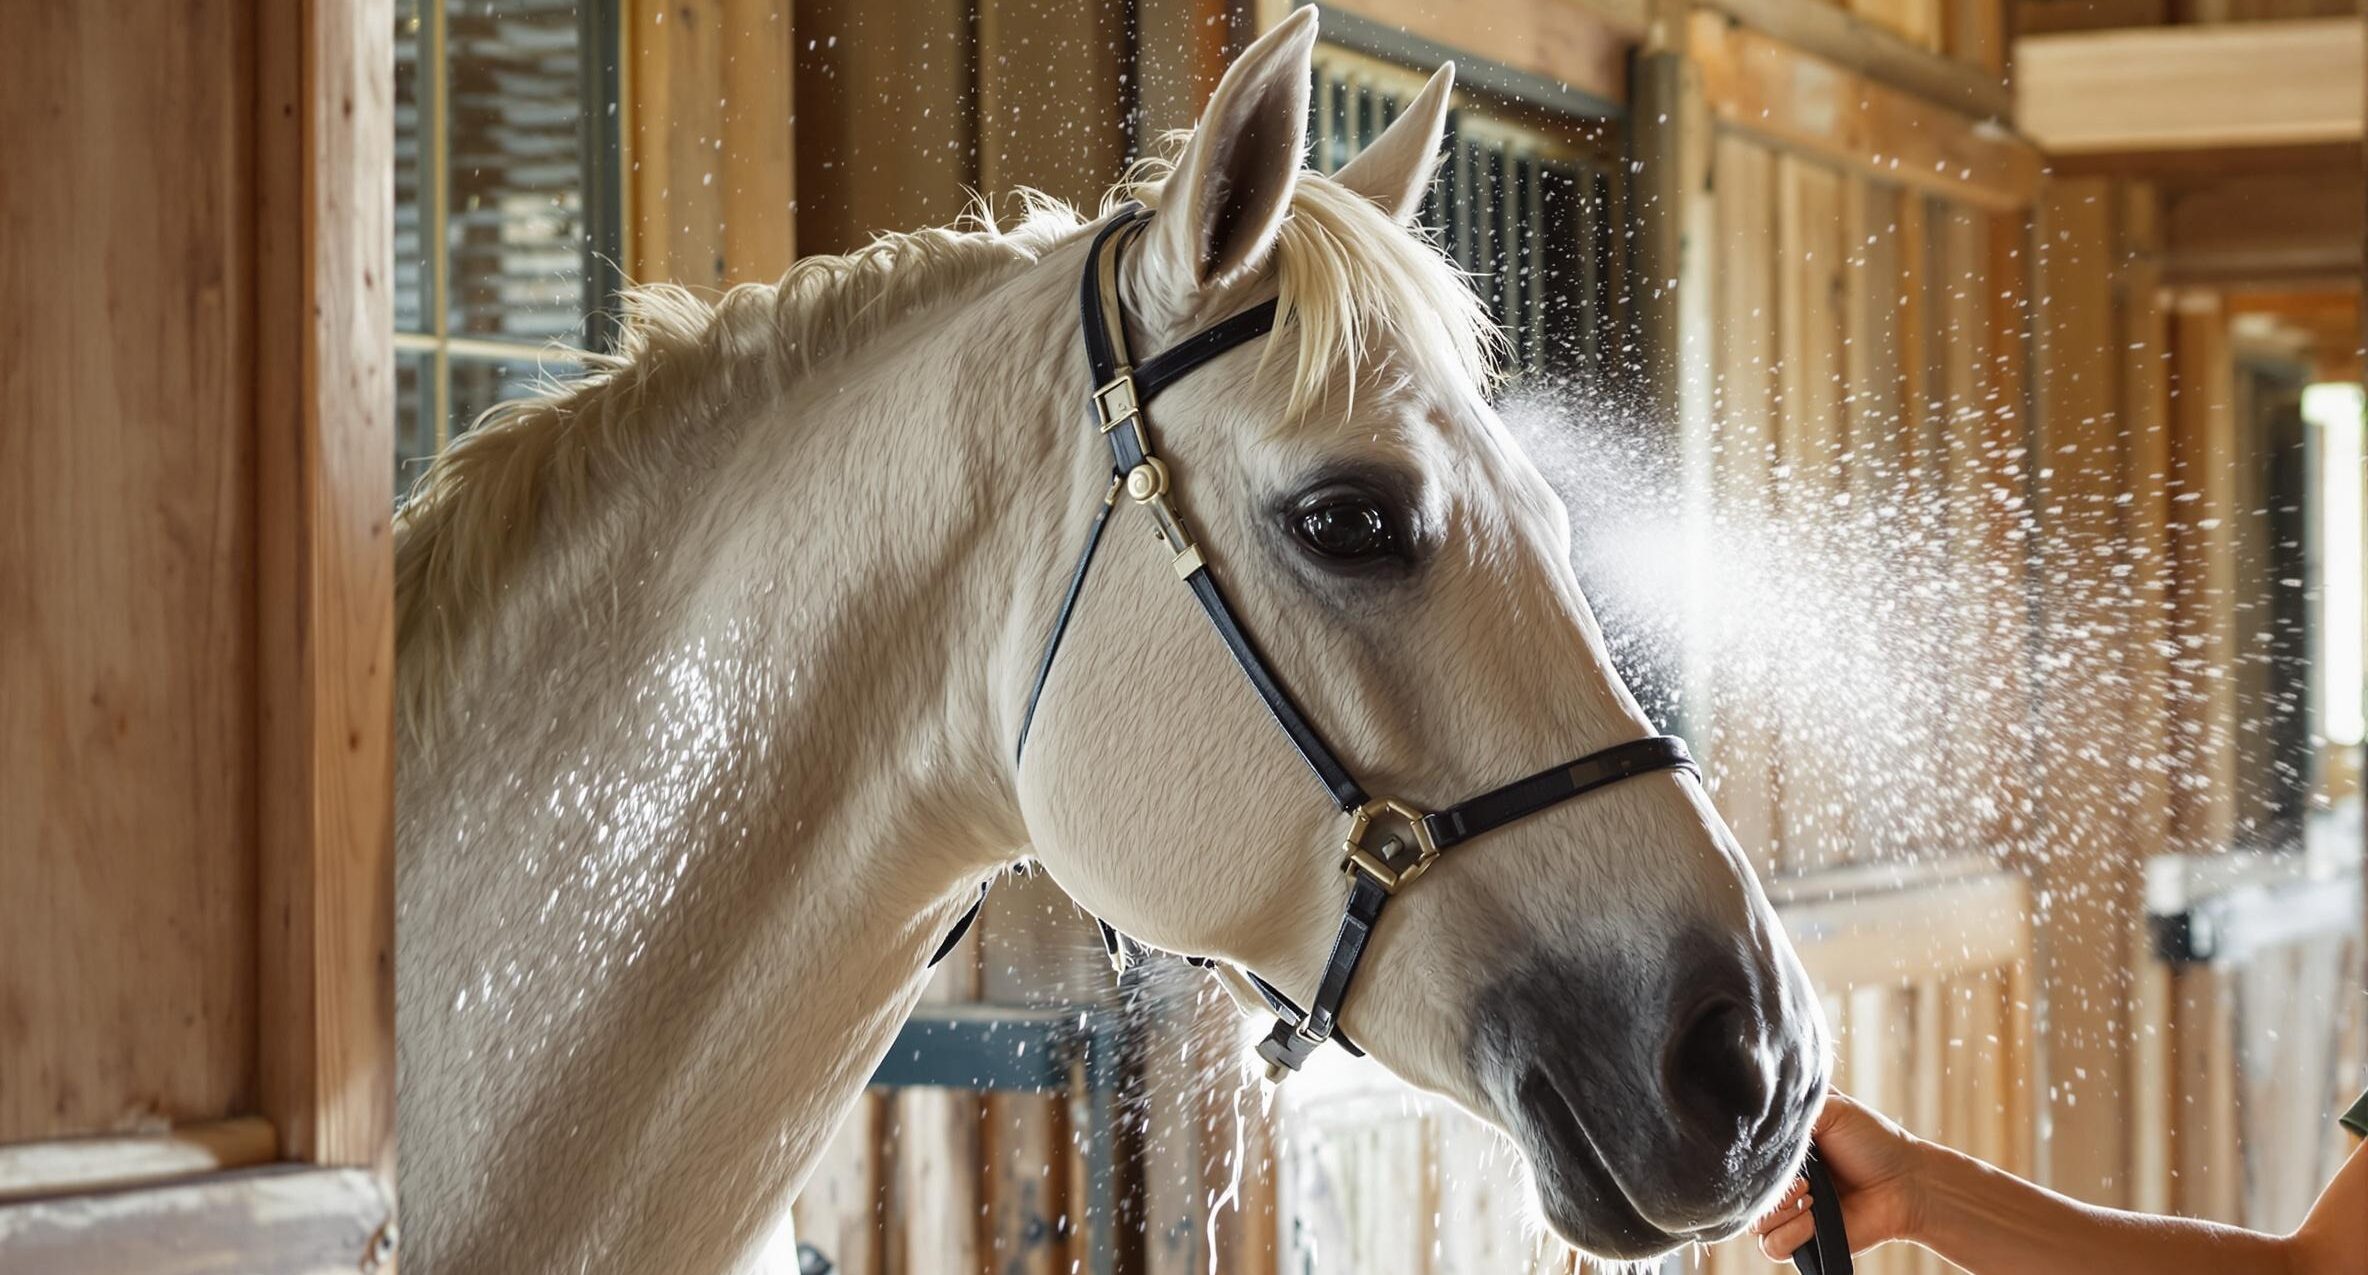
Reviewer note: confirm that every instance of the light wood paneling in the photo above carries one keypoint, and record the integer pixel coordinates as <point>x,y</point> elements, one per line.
<point>2261,228</point>
<point>1866,355</point>
<point>2205,458</point>
<point>1818,821</point>
<point>2086,865</point>
<point>712,119</point>
<point>1745,421</point>
<point>127,597</point>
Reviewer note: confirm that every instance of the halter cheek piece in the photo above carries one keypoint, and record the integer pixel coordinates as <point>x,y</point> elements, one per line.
<point>1122,397</point>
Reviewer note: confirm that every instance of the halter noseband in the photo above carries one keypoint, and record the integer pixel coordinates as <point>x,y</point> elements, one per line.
<point>1123,395</point>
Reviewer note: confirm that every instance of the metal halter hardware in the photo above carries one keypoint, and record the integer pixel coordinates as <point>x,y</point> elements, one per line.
<point>1122,395</point>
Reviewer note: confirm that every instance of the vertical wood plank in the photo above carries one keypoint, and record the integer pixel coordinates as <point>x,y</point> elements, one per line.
<point>1033,948</point>
<point>127,604</point>
<point>1968,753</point>
<point>2205,499</point>
<point>2144,346</point>
<point>887,118</point>
<point>1745,722</point>
<point>2210,1158</point>
<point>712,178</point>
<point>932,1160</point>
<point>2023,1074</point>
<point>838,1210</point>
<point>2003,473</point>
<point>1052,99</point>
<point>325,577</point>
<point>2087,874</point>
<point>1819,828</point>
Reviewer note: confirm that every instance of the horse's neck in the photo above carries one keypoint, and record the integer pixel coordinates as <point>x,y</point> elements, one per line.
<point>680,861</point>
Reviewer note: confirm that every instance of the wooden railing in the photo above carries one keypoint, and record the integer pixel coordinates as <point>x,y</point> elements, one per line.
<point>2251,1032</point>
<point>1927,978</point>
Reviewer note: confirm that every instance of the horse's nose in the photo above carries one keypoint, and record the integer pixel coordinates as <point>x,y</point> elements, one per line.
<point>1719,1068</point>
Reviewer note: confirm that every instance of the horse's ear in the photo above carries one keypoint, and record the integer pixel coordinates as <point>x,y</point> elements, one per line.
<point>1222,208</point>
<point>1395,171</point>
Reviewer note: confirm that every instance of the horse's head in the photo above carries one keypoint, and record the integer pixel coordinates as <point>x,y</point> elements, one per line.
<point>1605,980</point>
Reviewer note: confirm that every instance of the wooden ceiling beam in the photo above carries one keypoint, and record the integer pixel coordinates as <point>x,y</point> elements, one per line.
<point>1761,86</point>
<point>2261,228</point>
<point>2193,87</point>
<point>1834,34</point>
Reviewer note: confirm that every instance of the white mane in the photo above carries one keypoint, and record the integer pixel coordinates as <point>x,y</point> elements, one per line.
<point>1348,278</point>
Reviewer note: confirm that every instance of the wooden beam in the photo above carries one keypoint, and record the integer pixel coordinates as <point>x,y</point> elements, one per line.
<point>1758,85</point>
<point>105,1163</point>
<point>1832,33</point>
<point>2262,228</point>
<point>2208,163</point>
<point>2047,17</point>
<point>324,448</point>
<point>2167,88</point>
<point>271,1221</point>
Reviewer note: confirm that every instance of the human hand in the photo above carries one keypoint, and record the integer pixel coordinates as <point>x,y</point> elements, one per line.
<point>1872,1162</point>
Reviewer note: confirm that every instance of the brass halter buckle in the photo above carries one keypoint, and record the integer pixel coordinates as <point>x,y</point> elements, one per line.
<point>1357,860</point>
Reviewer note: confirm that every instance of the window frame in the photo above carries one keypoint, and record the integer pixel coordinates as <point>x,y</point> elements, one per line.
<point>432,345</point>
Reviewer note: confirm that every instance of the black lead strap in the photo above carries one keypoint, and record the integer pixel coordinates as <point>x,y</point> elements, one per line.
<point>1828,1251</point>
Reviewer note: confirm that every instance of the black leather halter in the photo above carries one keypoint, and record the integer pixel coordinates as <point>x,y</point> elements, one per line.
<point>1122,397</point>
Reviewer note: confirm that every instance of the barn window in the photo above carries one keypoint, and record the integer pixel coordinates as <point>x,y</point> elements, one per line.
<point>506,195</point>
<point>1526,202</point>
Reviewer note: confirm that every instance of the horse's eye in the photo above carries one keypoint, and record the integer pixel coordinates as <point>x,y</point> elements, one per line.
<point>1350,530</point>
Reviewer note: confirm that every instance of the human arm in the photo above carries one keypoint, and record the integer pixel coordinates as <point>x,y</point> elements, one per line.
<point>1895,1186</point>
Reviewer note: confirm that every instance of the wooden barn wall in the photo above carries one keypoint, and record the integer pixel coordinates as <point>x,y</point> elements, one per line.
<point>127,599</point>
<point>1865,343</point>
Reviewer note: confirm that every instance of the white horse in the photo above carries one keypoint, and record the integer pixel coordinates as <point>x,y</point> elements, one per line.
<point>712,664</point>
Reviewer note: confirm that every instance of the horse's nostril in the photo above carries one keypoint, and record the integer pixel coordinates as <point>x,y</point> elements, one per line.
<point>1716,1070</point>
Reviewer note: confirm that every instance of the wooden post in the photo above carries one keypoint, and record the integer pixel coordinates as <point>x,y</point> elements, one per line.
<point>2204,458</point>
<point>324,455</point>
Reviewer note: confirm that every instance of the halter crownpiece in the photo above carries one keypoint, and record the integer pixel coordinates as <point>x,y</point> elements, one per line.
<point>1122,399</point>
